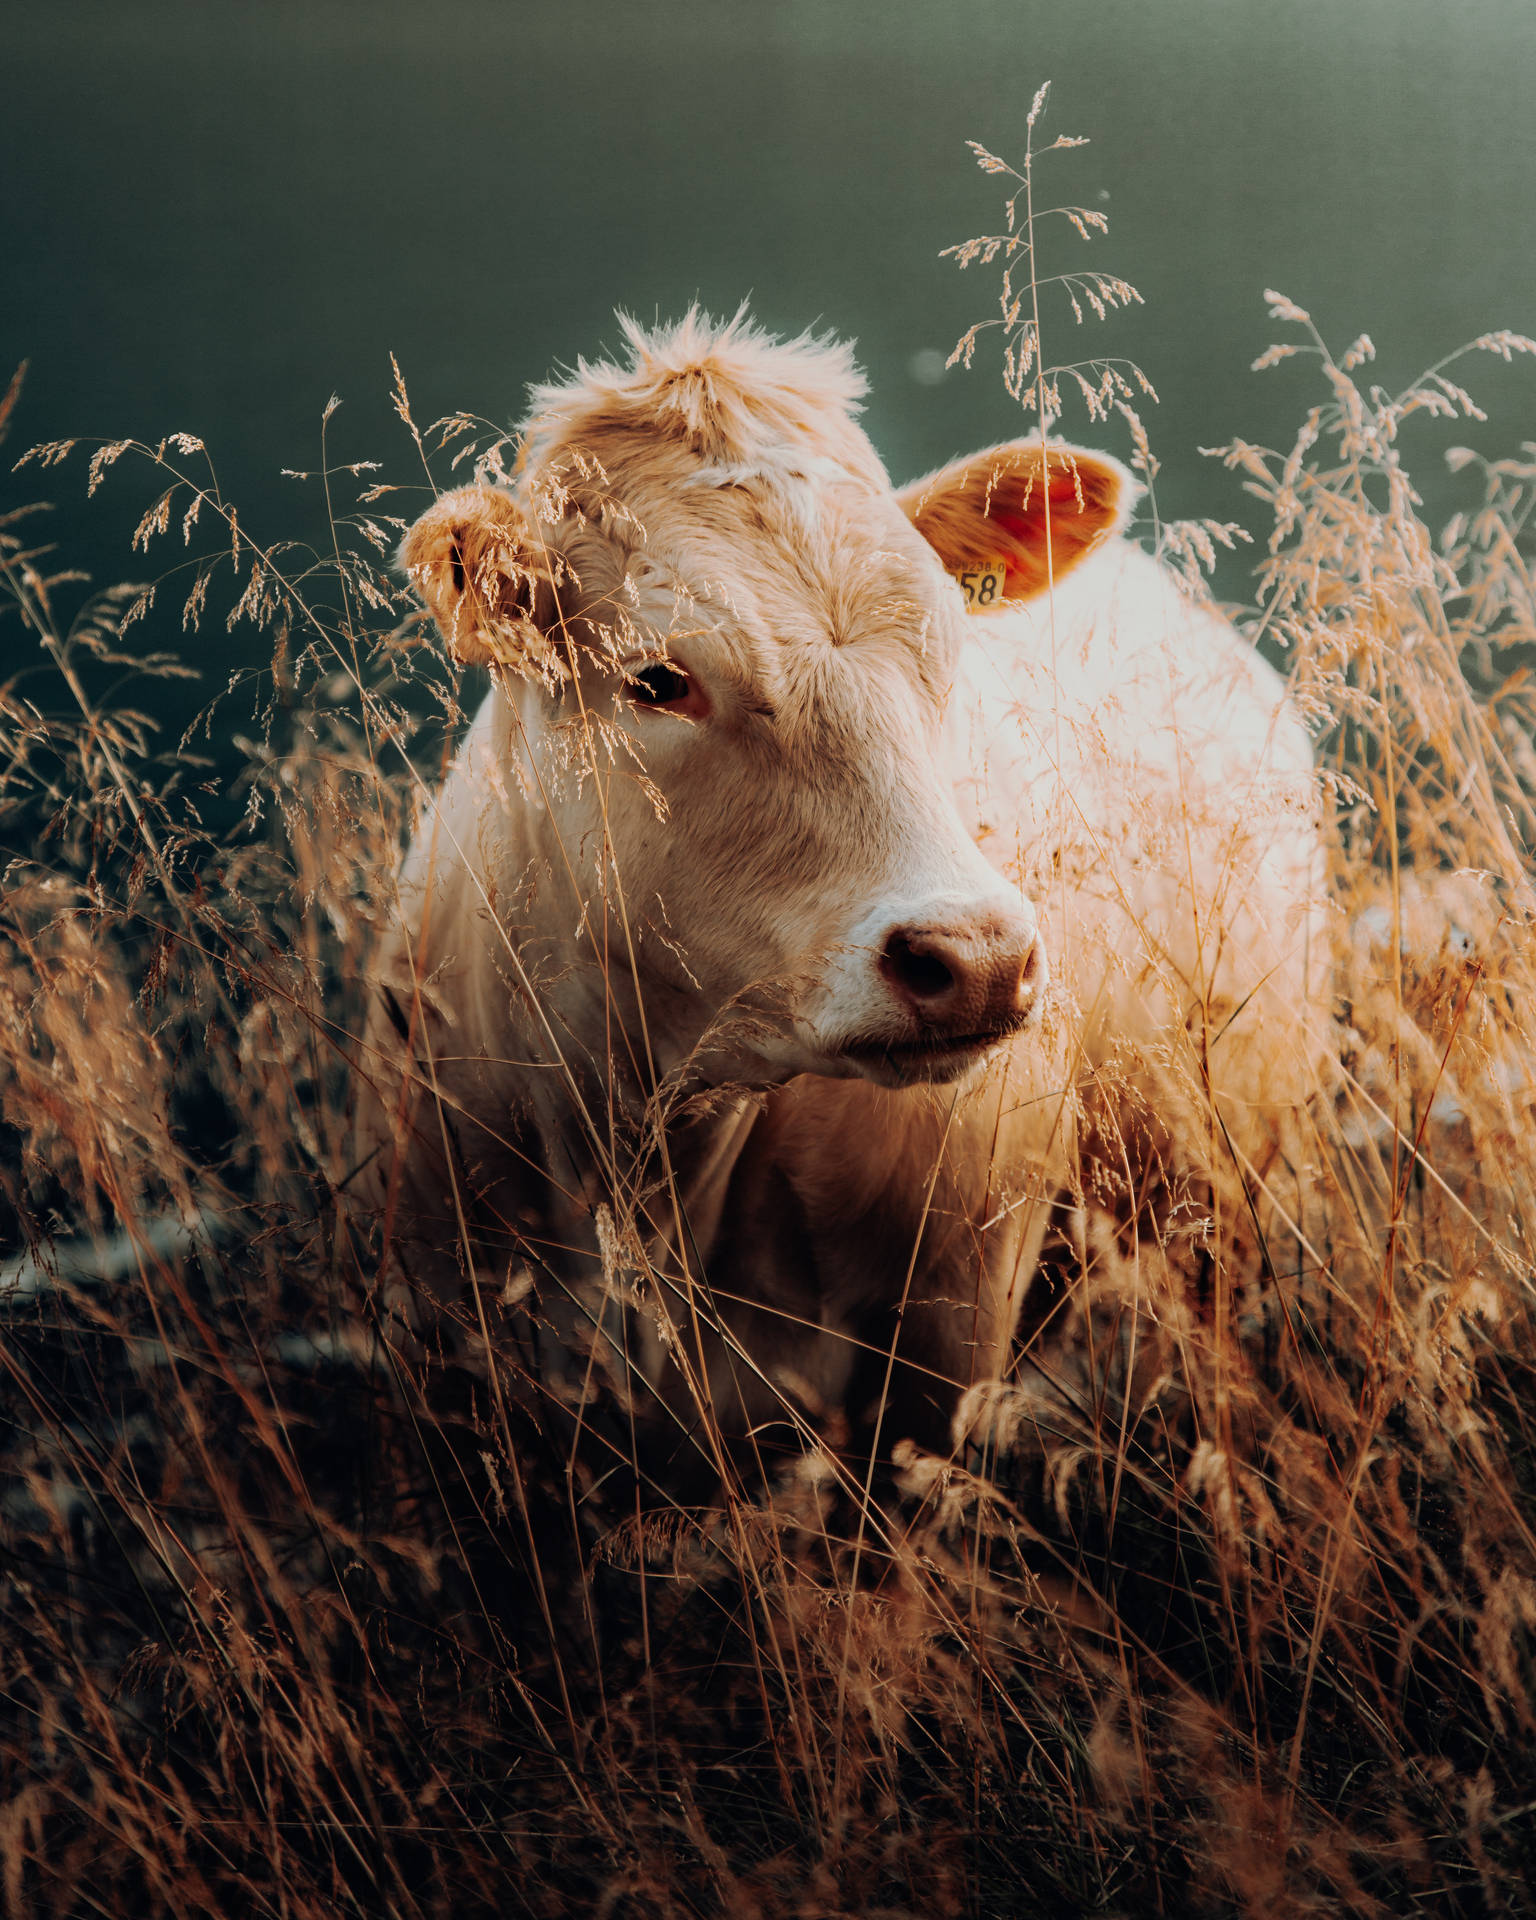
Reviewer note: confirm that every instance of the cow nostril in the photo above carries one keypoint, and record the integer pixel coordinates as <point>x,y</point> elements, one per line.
<point>1029,975</point>
<point>921,974</point>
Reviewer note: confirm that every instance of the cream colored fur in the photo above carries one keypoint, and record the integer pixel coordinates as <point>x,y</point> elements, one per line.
<point>608,912</point>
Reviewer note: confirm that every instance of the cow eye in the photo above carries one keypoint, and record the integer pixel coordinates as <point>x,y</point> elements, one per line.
<point>659,685</point>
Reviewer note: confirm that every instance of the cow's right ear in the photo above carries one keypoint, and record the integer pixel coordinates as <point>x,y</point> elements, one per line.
<point>485,577</point>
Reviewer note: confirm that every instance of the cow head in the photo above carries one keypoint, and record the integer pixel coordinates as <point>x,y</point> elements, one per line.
<point>727,646</point>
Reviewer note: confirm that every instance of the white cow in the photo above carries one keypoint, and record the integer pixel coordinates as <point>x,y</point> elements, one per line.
<point>776,904</point>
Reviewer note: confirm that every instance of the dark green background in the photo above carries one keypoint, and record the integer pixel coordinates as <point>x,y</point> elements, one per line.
<point>217,214</point>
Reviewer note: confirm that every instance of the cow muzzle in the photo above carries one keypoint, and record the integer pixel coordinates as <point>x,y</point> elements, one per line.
<point>950,986</point>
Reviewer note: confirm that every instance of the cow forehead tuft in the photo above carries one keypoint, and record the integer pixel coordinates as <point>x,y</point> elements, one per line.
<point>731,393</point>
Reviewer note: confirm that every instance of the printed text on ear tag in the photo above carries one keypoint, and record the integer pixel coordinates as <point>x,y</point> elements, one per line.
<point>983,585</point>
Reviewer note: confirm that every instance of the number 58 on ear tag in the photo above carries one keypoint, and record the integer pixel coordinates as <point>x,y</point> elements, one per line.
<point>983,586</point>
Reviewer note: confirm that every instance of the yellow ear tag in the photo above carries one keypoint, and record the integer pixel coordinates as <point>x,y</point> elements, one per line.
<point>983,586</point>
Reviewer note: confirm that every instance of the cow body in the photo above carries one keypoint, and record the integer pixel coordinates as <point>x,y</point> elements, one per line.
<point>774,906</point>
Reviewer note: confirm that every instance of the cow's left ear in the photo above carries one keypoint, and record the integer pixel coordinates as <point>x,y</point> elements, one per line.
<point>995,505</point>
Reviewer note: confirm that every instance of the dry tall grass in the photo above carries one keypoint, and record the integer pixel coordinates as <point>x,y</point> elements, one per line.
<point>1240,1622</point>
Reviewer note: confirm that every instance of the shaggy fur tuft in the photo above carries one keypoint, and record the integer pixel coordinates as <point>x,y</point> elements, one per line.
<point>731,392</point>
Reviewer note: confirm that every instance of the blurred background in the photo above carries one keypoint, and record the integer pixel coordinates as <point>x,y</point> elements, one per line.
<point>219,213</point>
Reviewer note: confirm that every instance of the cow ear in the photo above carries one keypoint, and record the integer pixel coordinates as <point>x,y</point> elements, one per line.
<point>994,506</point>
<point>485,577</point>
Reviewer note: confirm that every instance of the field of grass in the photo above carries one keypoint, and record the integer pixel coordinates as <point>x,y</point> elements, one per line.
<point>296,1622</point>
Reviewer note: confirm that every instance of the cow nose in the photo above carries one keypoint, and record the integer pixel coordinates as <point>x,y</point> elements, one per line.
<point>973,975</point>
